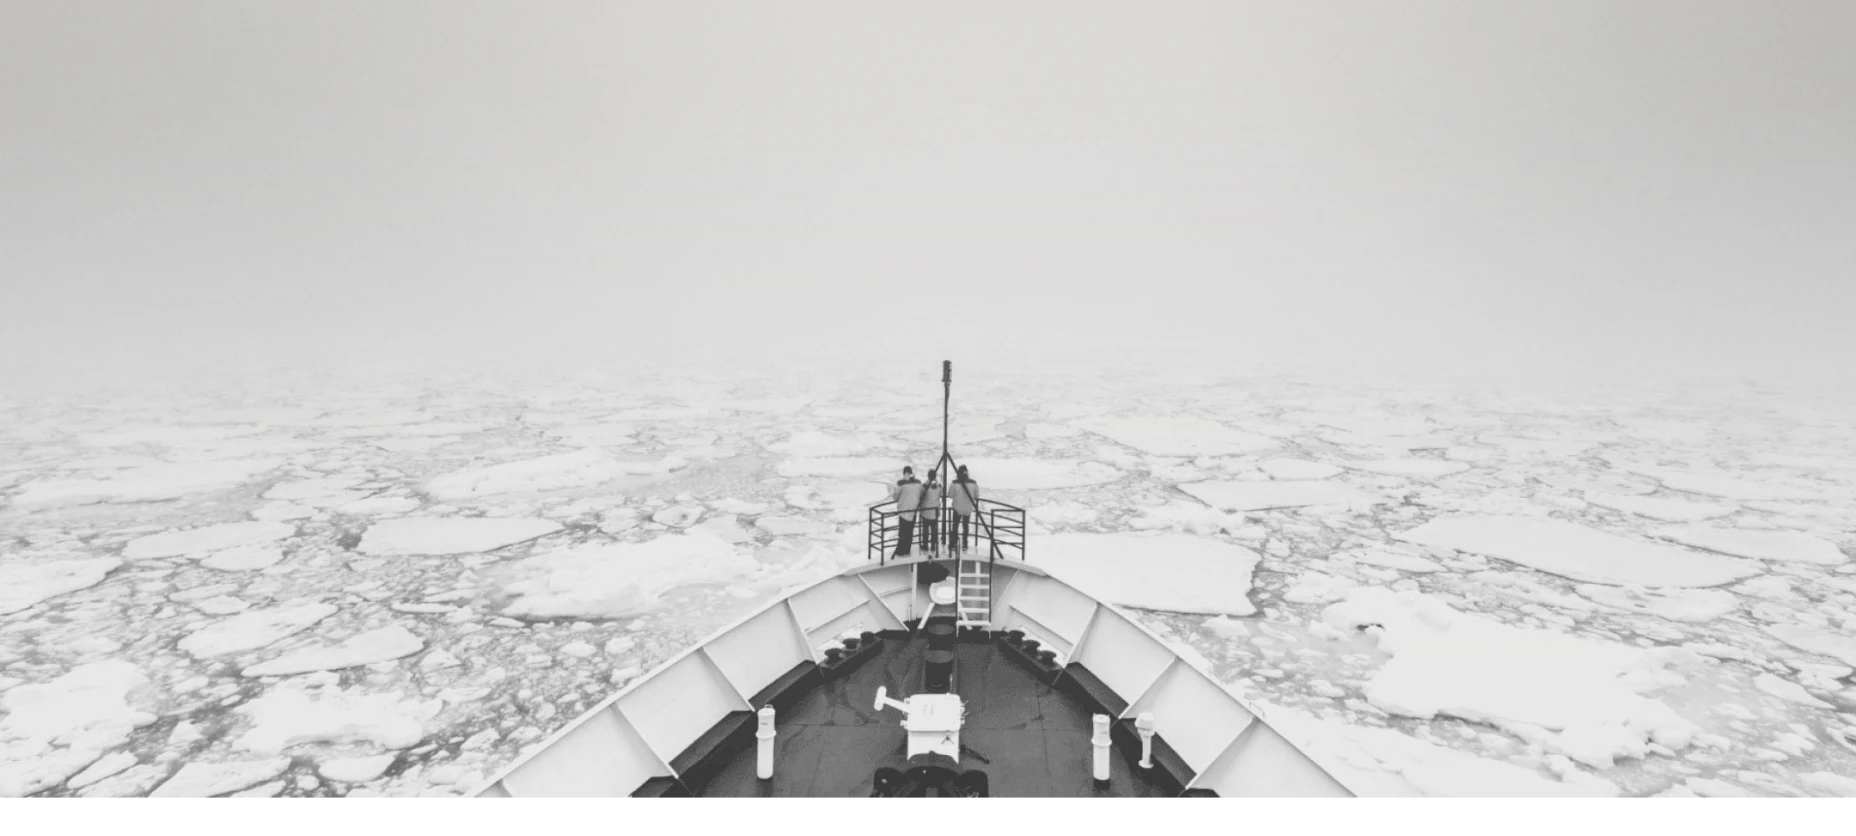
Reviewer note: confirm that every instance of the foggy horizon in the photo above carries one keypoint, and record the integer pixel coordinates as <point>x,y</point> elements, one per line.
<point>1573,190</point>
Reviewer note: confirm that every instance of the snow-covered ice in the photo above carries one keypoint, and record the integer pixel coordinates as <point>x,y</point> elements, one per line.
<point>27,583</point>
<point>1179,436</point>
<point>451,535</point>
<point>1288,469</point>
<point>1656,508</point>
<point>612,581</point>
<point>366,648</point>
<point>253,629</point>
<point>1578,552</point>
<point>1258,496</point>
<point>1785,546</point>
<point>206,539</point>
<point>1137,570</point>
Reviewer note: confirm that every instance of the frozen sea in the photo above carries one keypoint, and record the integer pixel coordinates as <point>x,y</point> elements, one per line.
<point>342,587</point>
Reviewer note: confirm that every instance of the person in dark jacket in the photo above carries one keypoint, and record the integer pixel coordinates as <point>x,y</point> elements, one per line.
<point>931,515</point>
<point>965,495</point>
<point>908,496</point>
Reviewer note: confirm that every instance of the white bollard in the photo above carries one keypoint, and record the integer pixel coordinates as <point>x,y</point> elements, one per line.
<point>763,766</point>
<point>1101,742</point>
<point>1145,725</point>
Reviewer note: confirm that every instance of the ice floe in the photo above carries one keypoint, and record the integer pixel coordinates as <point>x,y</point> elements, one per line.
<point>844,466</point>
<point>1409,468</point>
<point>253,629</point>
<point>1786,546</point>
<point>295,713</point>
<point>1575,551</point>
<point>1395,764</point>
<point>141,484</point>
<point>451,535</point>
<point>1141,570</point>
<point>1695,606</point>
<point>1260,496</point>
<point>1179,436</point>
<point>208,538</point>
<point>1727,486</point>
<point>26,583</point>
<point>1838,646</point>
<point>1037,474</point>
<point>355,770</point>
<point>1585,696</point>
<point>1290,469</point>
<point>204,780</point>
<point>245,559</point>
<point>1668,510</point>
<point>620,579</point>
<point>366,648</point>
<point>55,730</point>
<point>565,471</point>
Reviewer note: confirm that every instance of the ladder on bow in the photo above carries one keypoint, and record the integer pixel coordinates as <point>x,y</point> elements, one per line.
<point>973,600</point>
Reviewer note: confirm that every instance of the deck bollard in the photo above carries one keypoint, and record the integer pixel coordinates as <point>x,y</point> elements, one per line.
<point>763,765</point>
<point>1101,744</point>
<point>1145,725</point>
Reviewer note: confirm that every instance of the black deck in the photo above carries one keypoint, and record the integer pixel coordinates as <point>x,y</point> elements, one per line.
<point>1030,739</point>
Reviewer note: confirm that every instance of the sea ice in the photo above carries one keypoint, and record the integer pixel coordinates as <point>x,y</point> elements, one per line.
<point>844,466</point>
<point>1577,552</point>
<point>1259,496</point>
<point>55,730</point>
<point>1786,546</point>
<point>621,579</point>
<point>1409,468</point>
<point>141,484</point>
<point>1822,642</point>
<point>253,629</point>
<point>1179,436</point>
<point>366,648</point>
<point>243,559</point>
<point>1788,691</point>
<point>1694,606</point>
<point>206,538</point>
<point>1292,469</point>
<point>293,714</point>
<point>451,535</point>
<point>355,770</point>
<point>204,780</point>
<point>1668,510</point>
<point>1723,485</point>
<point>1396,764</point>
<point>1446,662</point>
<point>27,583</point>
<point>565,471</point>
<point>1143,570</point>
<point>1037,474</point>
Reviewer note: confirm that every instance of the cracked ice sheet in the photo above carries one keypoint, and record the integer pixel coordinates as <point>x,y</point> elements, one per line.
<point>1260,496</point>
<point>1784,546</point>
<point>311,710</point>
<point>366,648</point>
<point>620,579</point>
<point>1447,662</point>
<point>1142,570</point>
<point>25,584</point>
<point>1383,762</point>
<point>1668,510</point>
<point>1037,474</point>
<point>1409,468</point>
<point>1726,486</point>
<point>566,471</point>
<point>52,731</point>
<point>451,535</point>
<point>142,484</point>
<point>207,538</point>
<point>1179,436</point>
<point>1574,551</point>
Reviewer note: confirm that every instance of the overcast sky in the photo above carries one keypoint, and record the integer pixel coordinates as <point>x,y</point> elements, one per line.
<point>1584,187</point>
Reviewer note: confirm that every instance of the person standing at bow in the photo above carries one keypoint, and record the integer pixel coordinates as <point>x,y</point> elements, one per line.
<point>965,494</point>
<point>908,496</point>
<point>931,515</point>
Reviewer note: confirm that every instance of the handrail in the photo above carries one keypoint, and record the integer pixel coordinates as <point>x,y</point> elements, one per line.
<point>994,517</point>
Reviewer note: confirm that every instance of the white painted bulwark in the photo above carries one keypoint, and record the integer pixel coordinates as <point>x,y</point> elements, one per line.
<point>603,757</point>
<point>758,652</point>
<point>679,703</point>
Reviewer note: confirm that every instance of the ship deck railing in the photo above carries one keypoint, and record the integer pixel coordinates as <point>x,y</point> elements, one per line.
<point>1000,525</point>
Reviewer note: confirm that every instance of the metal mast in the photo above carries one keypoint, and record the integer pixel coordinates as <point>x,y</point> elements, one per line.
<point>947,395</point>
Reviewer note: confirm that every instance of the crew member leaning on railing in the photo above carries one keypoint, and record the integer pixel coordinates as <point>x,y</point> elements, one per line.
<point>907,494</point>
<point>965,494</point>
